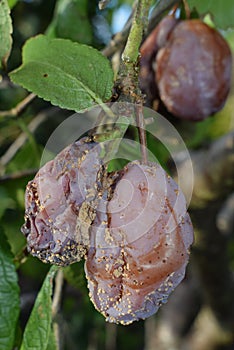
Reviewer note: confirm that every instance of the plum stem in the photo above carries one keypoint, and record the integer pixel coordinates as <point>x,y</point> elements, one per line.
<point>142,135</point>
<point>119,39</point>
<point>128,81</point>
<point>187,9</point>
<point>139,24</point>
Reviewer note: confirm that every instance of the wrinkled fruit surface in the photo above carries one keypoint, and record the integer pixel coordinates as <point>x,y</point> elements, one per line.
<point>139,247</point>
<point>59,199</point>
<point>131,226</point>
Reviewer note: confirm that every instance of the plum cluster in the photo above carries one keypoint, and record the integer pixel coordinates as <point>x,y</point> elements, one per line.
<point>131,227</point>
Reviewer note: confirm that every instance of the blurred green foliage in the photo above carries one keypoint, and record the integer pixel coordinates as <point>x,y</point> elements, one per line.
<point>72,21</point>
<point>38,331</point>
<point>5,30</point>
<point>75,20</point>
<point>221,11</point>
<point>9,295</point>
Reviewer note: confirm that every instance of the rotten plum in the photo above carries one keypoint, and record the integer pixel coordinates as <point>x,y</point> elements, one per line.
<point>139,245</point>
<point>131,226</point>
<point>59,200</point>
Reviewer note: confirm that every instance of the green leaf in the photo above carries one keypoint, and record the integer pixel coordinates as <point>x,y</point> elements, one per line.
<point>12,3</point>
<point>221,11</point>
<point>38,329</point>
<point>67,74</point>
<point>74,275</point>
<point>52,345</point>
<point>229,36</point>
<point>5,33</point>
<point>9,295</point>
<point>26,158</point>
<point>71,21</point>
<point>6,201</point>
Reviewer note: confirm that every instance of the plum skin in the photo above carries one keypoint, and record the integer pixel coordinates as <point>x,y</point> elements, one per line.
<point>193,70</point>
<point>131,226</point>
<point>59,200</point>
<point>185,66</point>
<point>131,272</point>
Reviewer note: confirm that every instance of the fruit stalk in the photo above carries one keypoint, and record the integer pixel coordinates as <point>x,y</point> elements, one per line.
<point>127,82</point>
<point>140,21</point>
<point>142,135</point>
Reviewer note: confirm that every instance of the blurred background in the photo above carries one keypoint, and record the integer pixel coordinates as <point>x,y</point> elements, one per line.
<point>200,313</point>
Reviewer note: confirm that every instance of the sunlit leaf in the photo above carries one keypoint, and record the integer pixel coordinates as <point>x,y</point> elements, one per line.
<point>52,345</point>
<point>12,3</point>
<point>38,329</point>
<point>221,11</point>
<point>9,295</point>
<point>5,33</point>
<point>6,201</point>
<point>67,74</point>
<point>71,21</point>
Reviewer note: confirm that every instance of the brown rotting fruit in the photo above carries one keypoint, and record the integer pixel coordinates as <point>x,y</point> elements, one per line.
<point>131,226</point>
<point>57,200</point>
<point>139,246</point>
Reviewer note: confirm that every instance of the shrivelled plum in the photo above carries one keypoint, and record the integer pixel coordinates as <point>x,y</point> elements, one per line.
<point>138,245</point>
<point>59,200</point>
<point>131,226</point>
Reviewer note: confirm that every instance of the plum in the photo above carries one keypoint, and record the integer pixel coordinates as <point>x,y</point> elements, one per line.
<point>139,245</point>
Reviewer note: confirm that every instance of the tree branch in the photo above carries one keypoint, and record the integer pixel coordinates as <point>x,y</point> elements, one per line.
<point>118,41</point>
<point>22,138</point>
<point>120,38</point>
<point>159,11</point>
<point>139,24</point>
<point>56,305</point>
<point>16,111</point>
<point>127,85</point>
<point>17,175</point>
